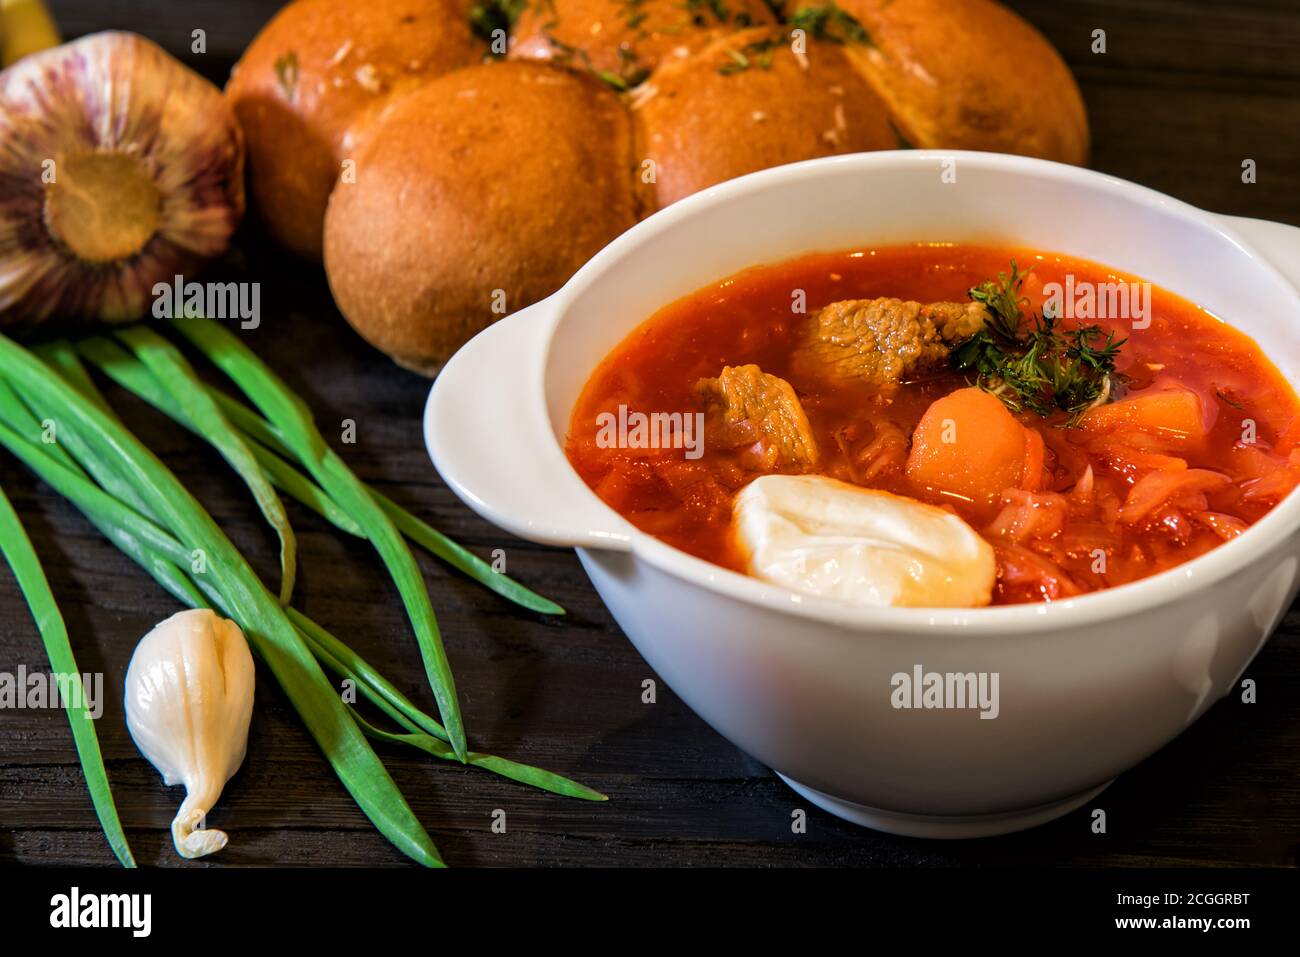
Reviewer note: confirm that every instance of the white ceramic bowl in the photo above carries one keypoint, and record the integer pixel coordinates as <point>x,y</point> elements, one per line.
<point>1087,687</point>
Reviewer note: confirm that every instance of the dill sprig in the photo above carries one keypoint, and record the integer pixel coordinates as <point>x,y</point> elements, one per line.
<point>1037,365</point>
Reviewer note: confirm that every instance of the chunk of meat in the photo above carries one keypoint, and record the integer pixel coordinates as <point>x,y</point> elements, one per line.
<point>881,342</point>
<point>761,409</point>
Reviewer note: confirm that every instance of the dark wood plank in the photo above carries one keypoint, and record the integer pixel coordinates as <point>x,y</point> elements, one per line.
<point>1185,92</point>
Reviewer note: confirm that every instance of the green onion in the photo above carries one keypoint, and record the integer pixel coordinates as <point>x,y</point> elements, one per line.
<point>269,445</point>
<point>423,731</point>
<point>415,529</point>
<point>131,374</point>
<point>170,368</point>
<point>463,559</point>
<point>157,373</point>
<point>20,418</point>
<point>256,610</point>
<point>72,484</point>
<point>157,551</point>
<point>346,663</point>
<point>262,432</point>
<point>116,482</point>
<point>522,773</point>
<point>290,414</point>
<point>61,356</point>
<point>18,551</point>
<point>23,421</point>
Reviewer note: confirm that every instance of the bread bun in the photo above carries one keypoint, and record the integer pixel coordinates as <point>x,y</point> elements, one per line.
<point>497,180</point>
<point>749,101</point>
<point>970,74</point>
<point>307,77</point>
<point>627,39</point>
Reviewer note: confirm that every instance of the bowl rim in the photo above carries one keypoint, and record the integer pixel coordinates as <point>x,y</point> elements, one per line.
<point>1162,588</point>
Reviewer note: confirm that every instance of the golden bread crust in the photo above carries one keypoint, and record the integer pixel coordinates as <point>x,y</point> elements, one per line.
<point>530,177</point>
<point>311,72</point>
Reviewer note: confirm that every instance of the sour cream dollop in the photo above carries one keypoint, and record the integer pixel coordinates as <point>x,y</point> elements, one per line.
<point>824,537</point>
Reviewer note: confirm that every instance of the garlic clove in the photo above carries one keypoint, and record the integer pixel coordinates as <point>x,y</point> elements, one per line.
<point>189,701</point>
<point>191,838</point>
<point>123,168</point>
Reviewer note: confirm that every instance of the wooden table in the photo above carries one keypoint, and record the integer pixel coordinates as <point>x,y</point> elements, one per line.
<point>1185,93</point>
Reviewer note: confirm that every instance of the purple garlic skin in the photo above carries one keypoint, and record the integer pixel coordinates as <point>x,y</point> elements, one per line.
<point>120,168</point>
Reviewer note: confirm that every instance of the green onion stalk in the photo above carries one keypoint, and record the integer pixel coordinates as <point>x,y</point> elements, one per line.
<point>139,505</point>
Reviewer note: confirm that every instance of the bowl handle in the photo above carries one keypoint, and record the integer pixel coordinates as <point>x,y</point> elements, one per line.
<point>487,431</point>
<point>1278,242</point>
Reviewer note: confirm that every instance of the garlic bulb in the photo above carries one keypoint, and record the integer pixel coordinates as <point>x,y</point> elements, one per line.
<point>121,168</point>
<point>189,699</point>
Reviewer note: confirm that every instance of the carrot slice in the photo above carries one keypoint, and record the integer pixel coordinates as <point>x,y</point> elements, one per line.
<point>967,444</point>
<point>1176,412</point>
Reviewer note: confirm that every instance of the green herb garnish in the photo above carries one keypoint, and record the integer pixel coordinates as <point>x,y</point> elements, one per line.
<point>826,21</point>
<point>1003,299</point>
<point>614,81</point>
<point>286,72</point>
<point>629,73</point>
<point>757,54</point>
<point>738,63</point>
<point>566,54</point>
<point>1037,366</point>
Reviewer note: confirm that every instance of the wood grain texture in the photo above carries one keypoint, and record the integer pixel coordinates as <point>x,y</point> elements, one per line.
<point>1185,92</point>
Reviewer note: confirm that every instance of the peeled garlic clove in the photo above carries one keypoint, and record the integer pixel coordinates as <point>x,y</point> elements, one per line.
<point>121,168</point>
<point>189,700</point>
<point>864,546</point>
